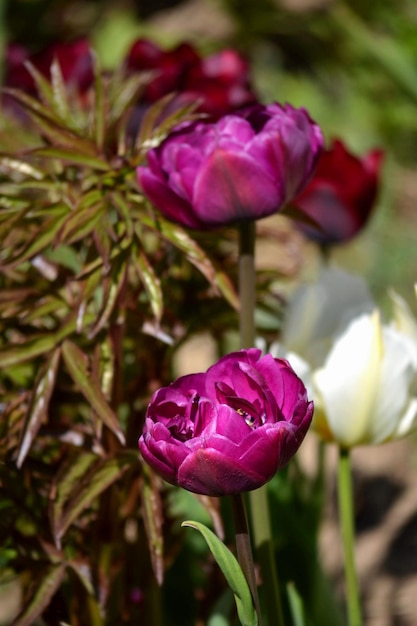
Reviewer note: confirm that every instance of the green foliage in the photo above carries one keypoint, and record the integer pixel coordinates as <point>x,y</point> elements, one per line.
<point>92,290</point>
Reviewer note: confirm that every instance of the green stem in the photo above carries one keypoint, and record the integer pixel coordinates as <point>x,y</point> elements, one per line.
<point>244,549</point>
<point>247,284</point>
<point>259,506</point>
<point>345,494</point>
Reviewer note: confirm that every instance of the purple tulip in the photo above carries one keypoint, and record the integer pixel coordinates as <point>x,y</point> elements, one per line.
<point>230,429</point>
<point>247,165</point>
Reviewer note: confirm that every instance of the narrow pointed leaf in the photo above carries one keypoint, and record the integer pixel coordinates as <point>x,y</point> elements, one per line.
<point>195,255</point>
<point>151,283</point>
<point>36,346</point>
<point>45,588</point>
<point>232,572</point>
<point>153,519</point>
<point>59,93</point>
<point>80,223</point>
<point>38,409</point>
<point>76,363</point>
<point>21,166</point>
<point>72,156</point>
<point>67,481</point>
<point>100,476</point>
<point>296,605</point>
<point>99,109</point>
<point>42,238</point>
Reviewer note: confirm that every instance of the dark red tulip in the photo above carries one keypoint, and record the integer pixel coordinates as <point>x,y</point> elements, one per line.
<point>341,194</point>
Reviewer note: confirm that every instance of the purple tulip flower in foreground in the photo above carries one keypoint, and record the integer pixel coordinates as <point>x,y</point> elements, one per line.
<point>230,429</point>
<point>247,165</point>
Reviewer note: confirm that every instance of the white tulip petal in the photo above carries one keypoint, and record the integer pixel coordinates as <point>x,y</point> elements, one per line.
<point>397,372</point>
<point>349,381</point>
<point>408,421</point>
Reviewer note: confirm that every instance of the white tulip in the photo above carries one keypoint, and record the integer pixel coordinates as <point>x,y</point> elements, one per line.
<point>363,391</point>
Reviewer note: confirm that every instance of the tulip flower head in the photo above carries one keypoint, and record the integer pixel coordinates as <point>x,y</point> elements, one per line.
<point>365,388</point>
<point>341,194</point>
<point>230,429</point>
<point>245,166</point>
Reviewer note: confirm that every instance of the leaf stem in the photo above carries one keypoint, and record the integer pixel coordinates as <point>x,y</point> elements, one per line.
<point>345,496</point>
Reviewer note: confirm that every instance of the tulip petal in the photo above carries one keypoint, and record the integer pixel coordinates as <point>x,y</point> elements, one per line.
<point>233,186</point>
<point>349,381</point>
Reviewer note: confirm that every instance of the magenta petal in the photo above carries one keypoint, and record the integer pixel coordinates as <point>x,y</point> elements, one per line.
<point>171,205</point>
<point>209,472</point>
<point>218,199</point>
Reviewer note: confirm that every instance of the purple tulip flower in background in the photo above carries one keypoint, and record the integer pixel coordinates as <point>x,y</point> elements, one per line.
<point>230,429</point>
<point>247,165</point>
<point>341,194</point>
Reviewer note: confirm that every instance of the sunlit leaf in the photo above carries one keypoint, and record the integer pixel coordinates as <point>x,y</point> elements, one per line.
<point>151,283</point>
<point>153,519</point>
<point>296,605</point>
<point>21,166</point>
<point>81,492</point>
<point>232,571</point>
<point>77,365</point>
<point>44,589</point>
<point>39,405</point>
<point>59,93</point>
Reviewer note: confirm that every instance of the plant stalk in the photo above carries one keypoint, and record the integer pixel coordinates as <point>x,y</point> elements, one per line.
<point>244,549</point>
<point>259,506</point>
<point>346,516</point>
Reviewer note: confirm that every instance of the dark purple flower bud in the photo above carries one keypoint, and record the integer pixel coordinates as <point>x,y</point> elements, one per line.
<point>246,165</point>
<point>220,82</point>
<point>230,429</point>
<point>341,194</point>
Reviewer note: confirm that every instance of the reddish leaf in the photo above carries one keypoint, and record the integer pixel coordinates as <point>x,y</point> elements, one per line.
<point>42,593</point>
<point>39,405</point>
<point>77,365</point>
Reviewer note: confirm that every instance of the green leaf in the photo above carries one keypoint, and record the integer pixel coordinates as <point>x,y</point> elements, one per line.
<point>36,346</point>
<point>232,572</point>
<point>81,491</point>
<point>21,166</point>
<point>99,108</point>
<point>151,283</point>
<point>80,223</point>
<point>41,239</point>
<point>72,156</point>
<point>43,591</point>
<point>39,405</point>
<point>59,93</point>
<point>178,237</point>
<point>296,605</point>
<point>76,362</point>
<point>153,519</point>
